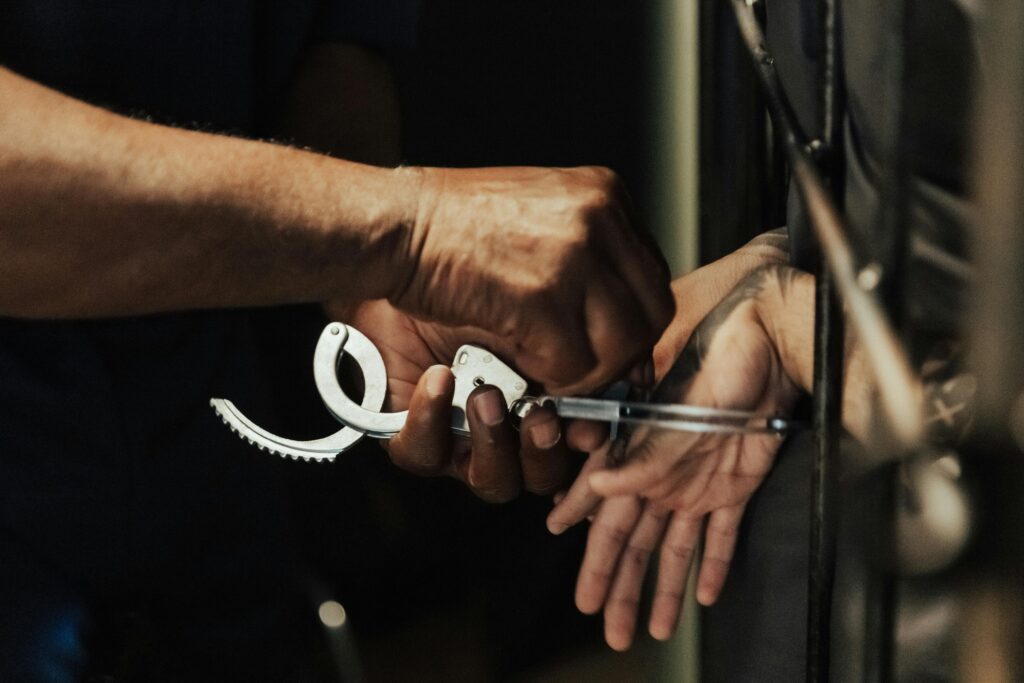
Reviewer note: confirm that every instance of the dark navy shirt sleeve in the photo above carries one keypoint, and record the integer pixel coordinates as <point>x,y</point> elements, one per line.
<point>385,24</point>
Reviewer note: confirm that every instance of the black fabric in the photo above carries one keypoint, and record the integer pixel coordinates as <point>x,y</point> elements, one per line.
<point>115,475</point>
<point>757,632</point>
<point>942,66</point>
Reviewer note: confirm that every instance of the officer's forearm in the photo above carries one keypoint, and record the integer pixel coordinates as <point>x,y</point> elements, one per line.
<point>103,215</point>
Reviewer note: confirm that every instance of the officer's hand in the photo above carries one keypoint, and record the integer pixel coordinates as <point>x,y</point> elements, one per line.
<point>544,259</point>
<point>496,462</point>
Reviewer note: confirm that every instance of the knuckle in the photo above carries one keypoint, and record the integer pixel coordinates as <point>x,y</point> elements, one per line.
<point>672,594</point>
<point>601,575</point>
<point>637,555</point>
<point>535,293</point>
<point>624,603</point>
<point>613,533</point>
<point>725,532</point>
<point>602,175</point>
<point>679,551</point>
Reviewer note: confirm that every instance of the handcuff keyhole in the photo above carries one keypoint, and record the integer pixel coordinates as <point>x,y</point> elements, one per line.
<point>478,381</point>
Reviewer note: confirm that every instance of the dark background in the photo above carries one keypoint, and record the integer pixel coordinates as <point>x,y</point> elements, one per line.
<point>438,585</point>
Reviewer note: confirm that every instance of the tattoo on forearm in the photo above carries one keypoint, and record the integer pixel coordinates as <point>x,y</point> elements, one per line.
<point>777,239</point>
<point>692,357</point>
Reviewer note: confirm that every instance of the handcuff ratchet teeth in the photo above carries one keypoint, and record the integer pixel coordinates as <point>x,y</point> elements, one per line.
<point>473,366</point>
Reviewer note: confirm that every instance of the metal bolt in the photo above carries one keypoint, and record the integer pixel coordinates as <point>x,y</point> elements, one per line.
<point>869,276</point>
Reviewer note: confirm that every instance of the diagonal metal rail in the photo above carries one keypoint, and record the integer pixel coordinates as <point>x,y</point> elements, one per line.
<point>898,386</point>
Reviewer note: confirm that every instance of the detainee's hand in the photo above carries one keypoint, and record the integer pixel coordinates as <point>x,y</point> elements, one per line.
<point>544,259</point>
<point>674,483</point>
<point>497,462</point>
<point>696,294</point>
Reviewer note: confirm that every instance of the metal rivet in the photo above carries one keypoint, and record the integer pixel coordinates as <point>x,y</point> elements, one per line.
<point>335,330</point>
<point>869,276</point>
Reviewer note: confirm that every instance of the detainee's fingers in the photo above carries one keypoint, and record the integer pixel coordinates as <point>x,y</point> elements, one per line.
<point>493,467</point>
<point>719,545</point>
<point>544,455</point>
<point>650,458</point>
<point>424,444</point>
<point>607,538</point>
<point>674,560</point>
<point>585,436</point>
<point>579,501</point>
<point>623,602</point>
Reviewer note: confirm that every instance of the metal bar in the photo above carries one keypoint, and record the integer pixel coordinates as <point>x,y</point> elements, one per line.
<point>828,369</point>
<point>892,235</point>
<point>898,386</point>
<point>828,383</point>
<point>879,617</point>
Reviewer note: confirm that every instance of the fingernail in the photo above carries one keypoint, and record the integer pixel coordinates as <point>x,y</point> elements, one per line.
<point>438,380</point>
<point>490,407</point>
<point>545,434</point>
<point>557,527</point>
<point>661,632</point>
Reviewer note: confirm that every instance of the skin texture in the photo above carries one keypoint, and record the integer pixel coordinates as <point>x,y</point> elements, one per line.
<point>676,483</point>
<point>361,122</point>
<point>696,295</point>
<point>152,218</point>
<point>498,461</point>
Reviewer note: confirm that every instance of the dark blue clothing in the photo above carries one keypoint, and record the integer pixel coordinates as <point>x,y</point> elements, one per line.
<point>117,482</point>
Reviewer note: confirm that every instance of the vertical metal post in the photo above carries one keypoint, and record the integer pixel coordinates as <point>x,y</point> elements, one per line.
<point>828,365</point>
<point>828,382</point>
